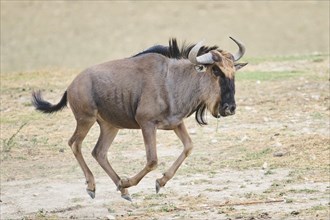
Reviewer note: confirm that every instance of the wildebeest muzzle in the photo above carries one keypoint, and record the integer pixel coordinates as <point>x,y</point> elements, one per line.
<point>227,109</point>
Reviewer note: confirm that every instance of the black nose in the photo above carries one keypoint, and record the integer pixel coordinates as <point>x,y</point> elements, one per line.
<point>229,109</point>
<point>232,108</point>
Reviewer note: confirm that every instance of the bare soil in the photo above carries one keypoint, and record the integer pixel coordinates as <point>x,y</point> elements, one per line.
<point>269,161</point>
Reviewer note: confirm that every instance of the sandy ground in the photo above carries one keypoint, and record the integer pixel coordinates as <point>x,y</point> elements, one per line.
<point>269,161</point>
<point>225,194</point>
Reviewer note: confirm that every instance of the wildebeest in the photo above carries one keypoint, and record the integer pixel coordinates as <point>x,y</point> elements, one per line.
<point>155,89</point>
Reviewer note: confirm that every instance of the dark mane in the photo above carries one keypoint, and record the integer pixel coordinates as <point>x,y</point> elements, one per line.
<point>174,51</point>
<point>160,49</point>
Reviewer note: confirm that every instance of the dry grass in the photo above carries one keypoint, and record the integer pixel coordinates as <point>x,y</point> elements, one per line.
<point>275,115</point>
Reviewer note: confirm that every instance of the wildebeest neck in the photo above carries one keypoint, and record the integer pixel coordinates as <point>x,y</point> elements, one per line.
<point>188,90</point>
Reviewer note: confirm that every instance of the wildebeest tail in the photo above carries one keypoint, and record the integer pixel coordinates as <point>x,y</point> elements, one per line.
<point>41,105</point>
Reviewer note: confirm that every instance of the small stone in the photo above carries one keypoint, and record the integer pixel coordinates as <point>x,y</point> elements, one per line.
<point>295,213</point>
<point>192,131</point>
<point>315,97</point>
<point>313,157</point>
<point>277,144</point>
<point>110,217</point>
<point>248,108</point>
<point>244,138</point>
<point>213,141</point>
<point>61,150</point>
<point>264,166</point>
<point>279,154</point>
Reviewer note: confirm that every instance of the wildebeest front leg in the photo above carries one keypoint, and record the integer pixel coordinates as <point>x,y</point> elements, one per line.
<point>149,137</point>
<point>107,135</point>
<point>183,135</point>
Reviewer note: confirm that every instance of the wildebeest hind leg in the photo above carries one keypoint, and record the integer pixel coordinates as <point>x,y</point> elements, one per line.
<point>83,126</point>
<point>107,135</point>
<point>183,135</point>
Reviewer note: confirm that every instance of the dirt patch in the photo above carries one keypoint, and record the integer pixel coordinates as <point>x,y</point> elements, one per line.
<point>242,194</point>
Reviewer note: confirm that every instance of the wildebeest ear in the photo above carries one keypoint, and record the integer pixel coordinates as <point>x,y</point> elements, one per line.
<point>239,65</point>
<point>215,56</point>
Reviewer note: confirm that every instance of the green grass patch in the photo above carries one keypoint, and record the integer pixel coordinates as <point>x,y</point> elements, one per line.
<point>309,57</point>
<point>268,76</point>
<point>21,76</point>
<point>308,191</point>
<point>23,117</point>
<point>319,208</point>
<point>258,155</point>
<point>318,115</point>
<point>10,142</point>
<point>168,208</point>
<point>289,200</point>
<point>155,196</point>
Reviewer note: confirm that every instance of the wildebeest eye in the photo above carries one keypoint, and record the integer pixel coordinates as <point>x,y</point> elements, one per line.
<point>200,68</point>
<point>217,71</point>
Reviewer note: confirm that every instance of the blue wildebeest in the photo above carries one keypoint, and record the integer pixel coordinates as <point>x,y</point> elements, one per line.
<point>155,89</point>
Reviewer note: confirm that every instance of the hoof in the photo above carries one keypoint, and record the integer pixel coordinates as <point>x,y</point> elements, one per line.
<point>124,183</point>
<point>91,193</point>
<point>127,197</point>
<point>157,186</point>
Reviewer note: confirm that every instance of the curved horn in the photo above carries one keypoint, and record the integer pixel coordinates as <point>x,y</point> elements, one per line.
<point>241,50</point>
<point>205,58</point>
<point>194,51</point>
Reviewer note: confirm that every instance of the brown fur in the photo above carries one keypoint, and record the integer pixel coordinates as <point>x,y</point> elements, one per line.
<point>146,92</point>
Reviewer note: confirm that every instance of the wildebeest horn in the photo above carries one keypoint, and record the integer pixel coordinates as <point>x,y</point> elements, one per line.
<point>194,51</point>
<point>205,58</point>
<point>241,50</point>
<point>202,59</point>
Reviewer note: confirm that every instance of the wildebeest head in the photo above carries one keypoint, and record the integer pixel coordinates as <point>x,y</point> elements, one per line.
<point>221,65</point>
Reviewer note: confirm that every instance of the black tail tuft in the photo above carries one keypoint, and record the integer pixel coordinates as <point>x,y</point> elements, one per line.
<point>41,105</point>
